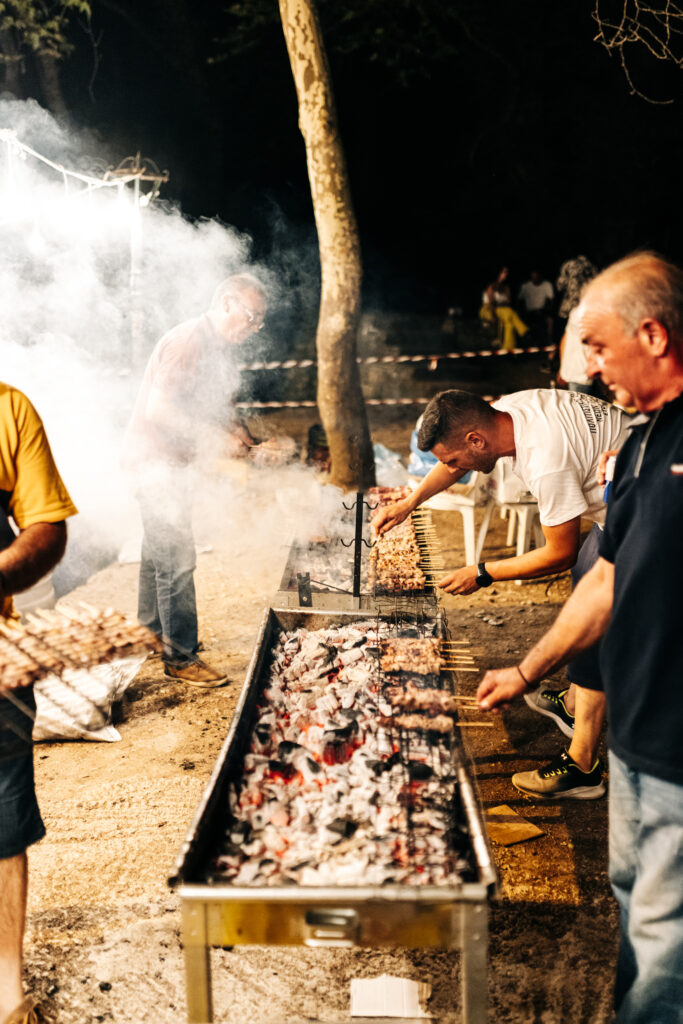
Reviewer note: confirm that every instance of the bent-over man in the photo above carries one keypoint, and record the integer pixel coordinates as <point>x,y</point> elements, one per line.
<point>554,440</point>
<point>32,493</point>
<point>631,320</point>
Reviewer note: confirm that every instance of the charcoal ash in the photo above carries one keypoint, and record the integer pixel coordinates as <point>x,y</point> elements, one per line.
<point>332,798</point>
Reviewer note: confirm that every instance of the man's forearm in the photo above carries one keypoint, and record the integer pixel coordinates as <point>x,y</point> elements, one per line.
<point>437,480</point>
<point>30,556</point>
<point>582,622</point>
<point>539,562</point>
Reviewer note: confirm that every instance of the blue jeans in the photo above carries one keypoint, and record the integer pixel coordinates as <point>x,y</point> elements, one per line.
<point>584,668</point>
<point>166,599</point>
<point>646,872</point>
<point>20,820</point>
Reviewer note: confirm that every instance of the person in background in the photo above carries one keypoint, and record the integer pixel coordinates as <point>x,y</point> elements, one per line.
<point>631,320</point>
<point>34,496</point>
<point>573,276</point>
<point>184,412</point>
<point>556,440</point>
<point>497,310</point>
<point>573,373</point>
<point>536,299</point>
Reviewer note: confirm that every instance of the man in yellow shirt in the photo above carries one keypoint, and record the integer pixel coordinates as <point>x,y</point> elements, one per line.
<point>32,493</point>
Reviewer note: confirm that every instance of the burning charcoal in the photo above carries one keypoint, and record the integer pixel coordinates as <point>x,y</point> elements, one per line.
<point>281,769</point>
<point>419,771</point>
<point>342,827</point>
<point>351,714</point>
<point>336,802</point>
<point>262,732</point>
<point>240,832</point>
<point>288,751</point>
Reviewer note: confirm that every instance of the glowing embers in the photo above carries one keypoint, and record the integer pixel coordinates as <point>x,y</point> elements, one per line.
<point>329,794</point>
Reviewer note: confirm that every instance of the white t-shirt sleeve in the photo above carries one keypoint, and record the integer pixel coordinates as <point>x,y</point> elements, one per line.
<point>560,497</point>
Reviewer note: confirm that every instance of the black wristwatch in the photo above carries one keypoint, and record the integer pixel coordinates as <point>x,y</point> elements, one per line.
<point>484,579</point>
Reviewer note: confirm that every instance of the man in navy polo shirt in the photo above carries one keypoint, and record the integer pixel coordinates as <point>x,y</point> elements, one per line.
<point>631,320</point>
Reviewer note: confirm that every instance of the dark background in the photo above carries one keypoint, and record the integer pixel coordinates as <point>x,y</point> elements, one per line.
<point>477,133</point>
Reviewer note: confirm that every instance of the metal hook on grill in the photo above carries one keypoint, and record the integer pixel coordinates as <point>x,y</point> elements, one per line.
<point>359,499</point>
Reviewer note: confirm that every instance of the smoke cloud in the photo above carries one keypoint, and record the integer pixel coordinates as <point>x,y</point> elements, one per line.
<point>88,284</point>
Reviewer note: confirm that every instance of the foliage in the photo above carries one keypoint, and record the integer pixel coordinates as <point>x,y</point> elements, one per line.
<point>40,26</point>
<point>408,38</point>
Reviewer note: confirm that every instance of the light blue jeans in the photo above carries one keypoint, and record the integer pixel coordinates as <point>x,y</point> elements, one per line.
<point>166,599</point>
<point>646,872</point>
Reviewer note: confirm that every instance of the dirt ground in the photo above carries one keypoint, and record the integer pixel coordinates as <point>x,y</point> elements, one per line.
<point>103,929</point>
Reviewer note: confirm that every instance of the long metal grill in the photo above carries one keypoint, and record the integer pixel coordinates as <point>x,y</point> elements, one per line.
<point>335,790</point>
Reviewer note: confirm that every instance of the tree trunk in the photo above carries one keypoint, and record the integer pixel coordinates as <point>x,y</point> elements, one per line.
<point>340,397</point>
<point>48,75</point>
<point>12,64</point>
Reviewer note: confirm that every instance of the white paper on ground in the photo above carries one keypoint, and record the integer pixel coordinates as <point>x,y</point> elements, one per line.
<point>388,996</point>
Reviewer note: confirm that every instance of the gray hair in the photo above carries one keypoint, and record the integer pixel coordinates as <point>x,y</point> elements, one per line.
<point>237,284</point>
<point>450,415</point>
<point>645,286</point>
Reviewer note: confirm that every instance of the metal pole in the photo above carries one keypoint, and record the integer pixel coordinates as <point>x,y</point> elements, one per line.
<point>358,546</point>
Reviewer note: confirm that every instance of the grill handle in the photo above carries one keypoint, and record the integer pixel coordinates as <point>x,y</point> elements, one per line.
<point>332,927</point>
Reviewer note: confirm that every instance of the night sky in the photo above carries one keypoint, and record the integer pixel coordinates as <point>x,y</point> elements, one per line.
<point>478,133</point>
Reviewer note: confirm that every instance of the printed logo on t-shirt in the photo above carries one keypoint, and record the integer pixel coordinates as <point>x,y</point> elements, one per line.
<point>593,409</point>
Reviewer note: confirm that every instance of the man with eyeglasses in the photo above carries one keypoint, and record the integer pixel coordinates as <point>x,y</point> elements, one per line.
<point>184,411</point>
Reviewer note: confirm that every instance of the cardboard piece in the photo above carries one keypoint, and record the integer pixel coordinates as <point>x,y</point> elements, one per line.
<point>506,827</point>
<point>387,996</point>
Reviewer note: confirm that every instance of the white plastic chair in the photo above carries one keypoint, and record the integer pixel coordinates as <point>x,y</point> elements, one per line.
<point>465,500</point>
<point>508,494</point>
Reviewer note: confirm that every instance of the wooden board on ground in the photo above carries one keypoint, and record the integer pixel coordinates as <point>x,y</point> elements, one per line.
<point>506,827</point>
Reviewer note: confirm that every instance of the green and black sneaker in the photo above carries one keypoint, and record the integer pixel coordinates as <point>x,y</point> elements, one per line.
<point>561,779</point>
<point>551,703</point>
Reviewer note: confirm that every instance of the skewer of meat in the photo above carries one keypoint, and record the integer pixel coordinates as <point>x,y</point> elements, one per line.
<point>411,654</point>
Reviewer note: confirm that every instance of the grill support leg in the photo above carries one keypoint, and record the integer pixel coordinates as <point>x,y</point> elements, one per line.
<point>197,953</point>
<point>474,945</point>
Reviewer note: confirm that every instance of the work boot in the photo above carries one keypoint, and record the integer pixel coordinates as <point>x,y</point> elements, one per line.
<point>560,779</point>
<point>196,674</point>
<point>551,703</point>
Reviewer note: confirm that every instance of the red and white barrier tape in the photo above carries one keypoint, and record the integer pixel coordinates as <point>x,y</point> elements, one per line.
<point>291,364</point>
<point>368,401</point>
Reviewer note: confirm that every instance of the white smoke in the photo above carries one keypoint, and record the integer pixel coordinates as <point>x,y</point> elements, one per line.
<point>75,326</point>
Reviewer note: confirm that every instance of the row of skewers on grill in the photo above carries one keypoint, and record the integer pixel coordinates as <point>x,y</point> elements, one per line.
<point>412,667</point>
<point>405,559</point>
<point>54,641</point>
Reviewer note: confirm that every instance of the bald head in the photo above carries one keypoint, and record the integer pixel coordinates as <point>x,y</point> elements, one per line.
<point>631,321</point>
<point>642,286</point>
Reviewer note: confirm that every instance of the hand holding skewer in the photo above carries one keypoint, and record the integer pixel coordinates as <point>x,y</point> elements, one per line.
<point>462,581</point>
<point>390,516</point>
<point>499,687</point>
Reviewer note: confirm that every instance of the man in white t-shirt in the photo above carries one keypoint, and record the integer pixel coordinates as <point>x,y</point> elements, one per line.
<point>553,440</point>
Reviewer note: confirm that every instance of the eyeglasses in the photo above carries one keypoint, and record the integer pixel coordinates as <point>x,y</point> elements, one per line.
<point>254,319</point>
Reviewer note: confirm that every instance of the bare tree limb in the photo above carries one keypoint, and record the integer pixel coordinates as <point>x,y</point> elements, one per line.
<point>658,27</point>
